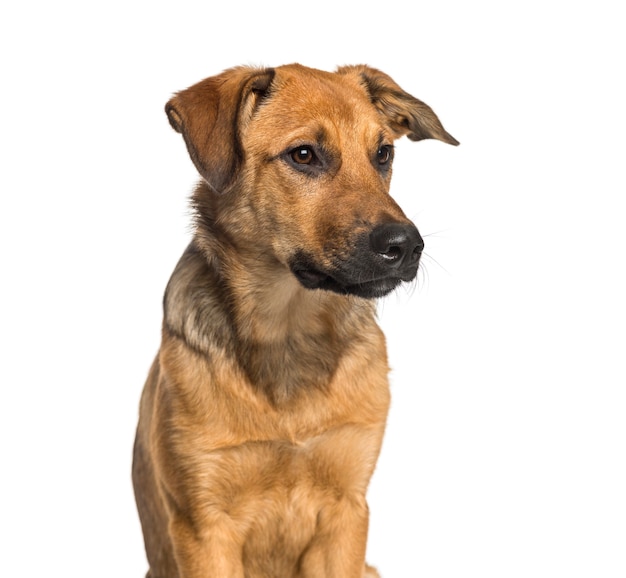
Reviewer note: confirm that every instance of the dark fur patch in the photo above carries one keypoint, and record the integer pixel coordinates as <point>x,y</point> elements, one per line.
<point>195,305</point>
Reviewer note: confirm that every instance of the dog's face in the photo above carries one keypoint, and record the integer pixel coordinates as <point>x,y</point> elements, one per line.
<point>307,156</point>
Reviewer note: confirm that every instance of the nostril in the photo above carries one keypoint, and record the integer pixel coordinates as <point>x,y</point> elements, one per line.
<point>393,253</point>
<point>417,251</point>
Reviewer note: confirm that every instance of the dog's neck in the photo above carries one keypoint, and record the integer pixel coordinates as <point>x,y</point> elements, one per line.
<point>276,328</point>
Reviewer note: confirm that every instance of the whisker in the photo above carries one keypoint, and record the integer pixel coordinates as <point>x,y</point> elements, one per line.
<point>433,260</point>
<point>437,234</point>
<point>422,279</point>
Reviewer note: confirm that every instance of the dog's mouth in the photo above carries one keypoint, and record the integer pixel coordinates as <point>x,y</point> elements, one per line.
<point>379,261</point>
<point>313,278</point>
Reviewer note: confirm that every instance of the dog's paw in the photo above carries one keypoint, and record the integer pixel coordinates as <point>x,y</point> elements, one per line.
<point>370,572</point>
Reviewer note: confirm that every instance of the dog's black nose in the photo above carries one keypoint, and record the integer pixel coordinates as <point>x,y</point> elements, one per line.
<point>400,245</point>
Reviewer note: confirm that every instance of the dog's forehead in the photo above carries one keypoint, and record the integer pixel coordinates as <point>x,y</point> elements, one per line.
<point>302,85</point>
<point>302,96</point>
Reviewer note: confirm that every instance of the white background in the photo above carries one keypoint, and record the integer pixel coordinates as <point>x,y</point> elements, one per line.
<point>505,454</point>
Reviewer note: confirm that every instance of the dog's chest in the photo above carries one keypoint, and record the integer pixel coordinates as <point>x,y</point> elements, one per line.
<point>281,489</point>
<point>281,519</point>
<point>275,491</point>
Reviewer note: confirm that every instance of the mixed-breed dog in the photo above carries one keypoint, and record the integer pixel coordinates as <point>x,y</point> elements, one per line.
<point>263,413</point>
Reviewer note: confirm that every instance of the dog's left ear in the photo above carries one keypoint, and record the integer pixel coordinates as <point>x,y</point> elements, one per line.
<point>211,116</point>
<point>405,114</point>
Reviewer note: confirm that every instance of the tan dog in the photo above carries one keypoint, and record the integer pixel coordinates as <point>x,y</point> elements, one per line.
<point>263,415</point>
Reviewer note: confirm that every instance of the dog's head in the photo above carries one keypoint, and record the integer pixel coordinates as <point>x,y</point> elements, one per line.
<point>298,161</point>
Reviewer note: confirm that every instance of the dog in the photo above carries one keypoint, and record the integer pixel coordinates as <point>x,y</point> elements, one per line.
<point>263,414</point>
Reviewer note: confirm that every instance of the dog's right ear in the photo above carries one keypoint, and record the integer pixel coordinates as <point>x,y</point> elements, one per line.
<point>211,116</point>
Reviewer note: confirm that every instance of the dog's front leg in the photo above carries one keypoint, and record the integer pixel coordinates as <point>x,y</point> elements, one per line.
<point>212,552</point>
<point>338,548</point>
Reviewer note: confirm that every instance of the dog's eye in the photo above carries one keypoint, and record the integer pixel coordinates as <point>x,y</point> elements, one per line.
<point>384,154</point>
<point>308,159</point>
<point>303,155</point>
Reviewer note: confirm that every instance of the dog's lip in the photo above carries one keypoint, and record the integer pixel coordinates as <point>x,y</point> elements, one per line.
<point>373,289</point>
<point>313,278</point>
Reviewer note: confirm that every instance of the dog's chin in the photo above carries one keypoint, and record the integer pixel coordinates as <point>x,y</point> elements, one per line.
<point>314,279</point>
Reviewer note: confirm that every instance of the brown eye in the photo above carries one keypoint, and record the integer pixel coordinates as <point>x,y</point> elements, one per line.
<point>383,156</point>
<point>303,155</point>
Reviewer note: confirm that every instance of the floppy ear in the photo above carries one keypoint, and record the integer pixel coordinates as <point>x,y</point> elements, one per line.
<point>406,115</point>
<point>211,115</point>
